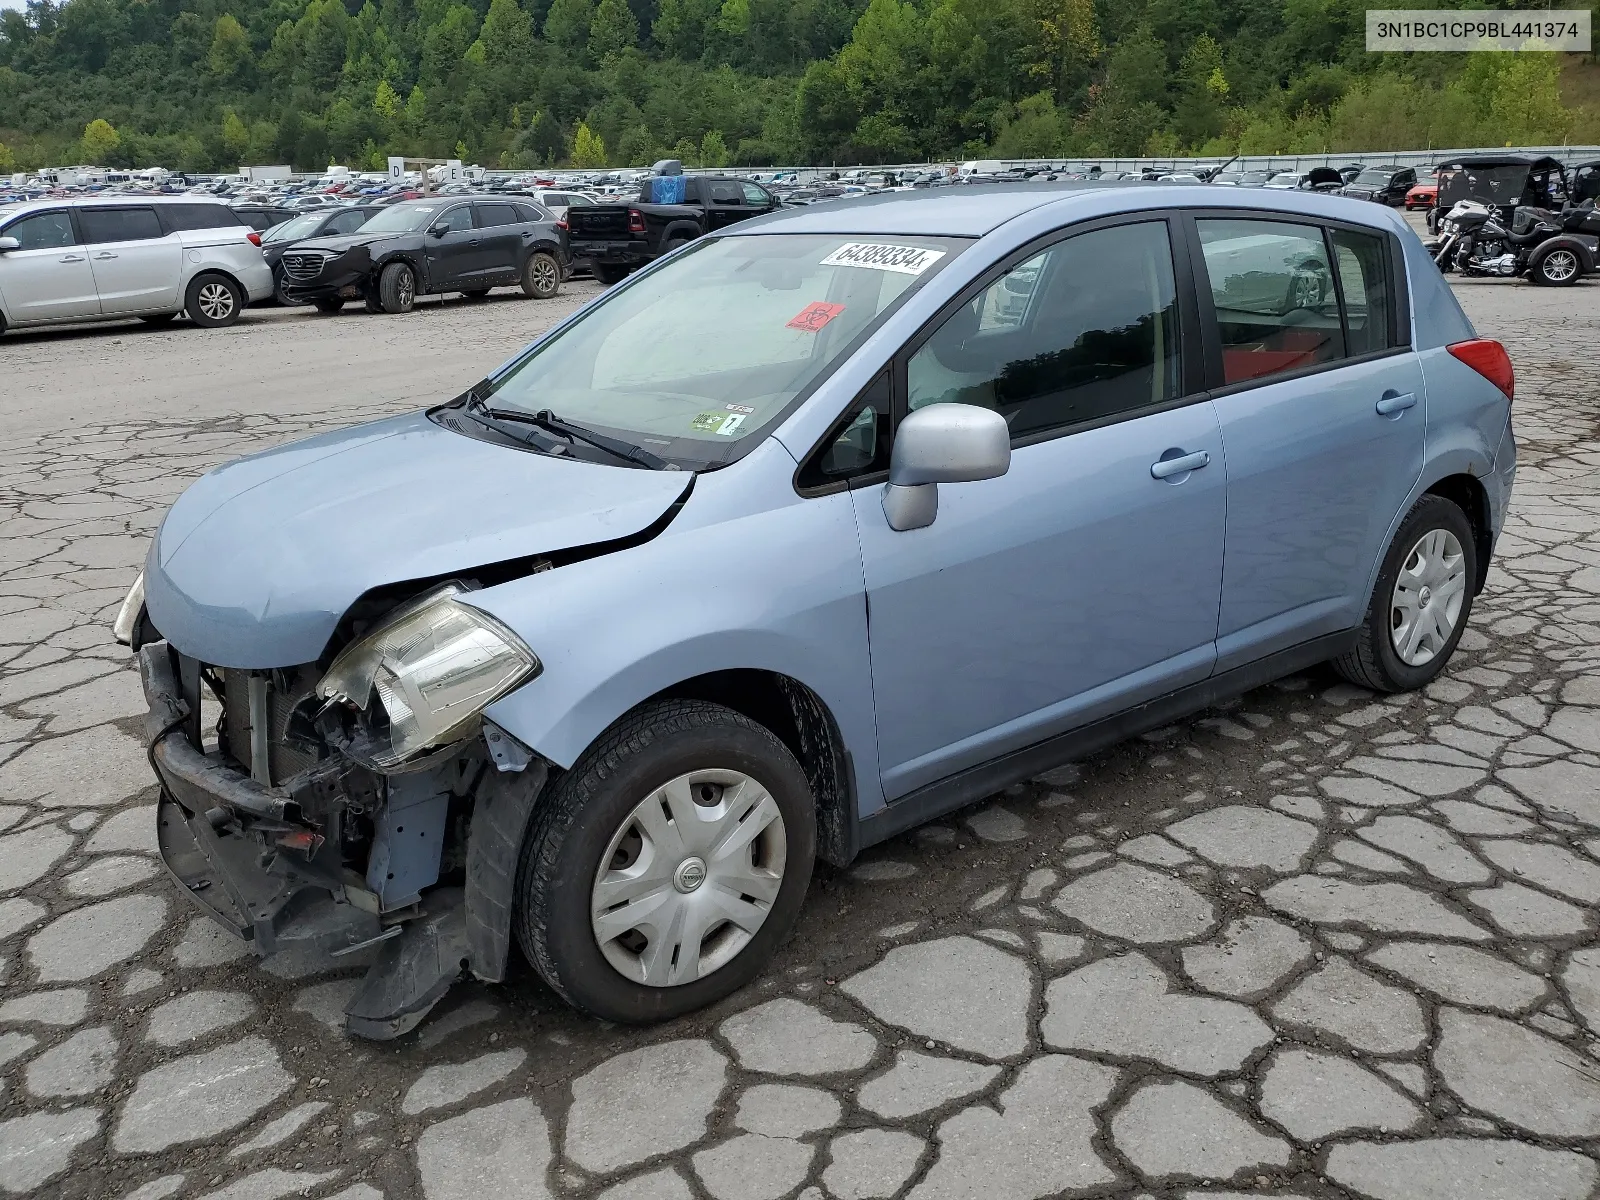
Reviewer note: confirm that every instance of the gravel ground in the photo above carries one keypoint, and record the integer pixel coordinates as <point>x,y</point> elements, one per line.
<point>1312,943</point>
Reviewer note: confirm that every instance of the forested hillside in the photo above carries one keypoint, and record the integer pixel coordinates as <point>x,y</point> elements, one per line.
<point>209,84</point>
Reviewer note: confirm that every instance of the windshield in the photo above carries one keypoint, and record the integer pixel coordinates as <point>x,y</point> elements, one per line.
<point>402,218</point>
<point>1255,177</point>
<point>706,353</point>
<point>1374,176</point>
<point>295,227</point>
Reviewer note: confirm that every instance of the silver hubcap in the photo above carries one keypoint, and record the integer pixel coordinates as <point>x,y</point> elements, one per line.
<point>1560,265</point>
<point>1427,600</point>
<point>544,274</point>
<point>405,288</point>
<point>689,878</point>
<point>216,300</point>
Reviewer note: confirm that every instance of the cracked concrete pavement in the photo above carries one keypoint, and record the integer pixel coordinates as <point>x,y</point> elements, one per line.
<point>1313,943</point>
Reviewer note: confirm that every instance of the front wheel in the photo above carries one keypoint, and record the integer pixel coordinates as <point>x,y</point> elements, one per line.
<point>213,301</point>
<point>609,273</point>
<point>1556,268</point>
<point>668,864</point>
<point>397,288</point>
<point>541,276</point>
<point>1420,605</point>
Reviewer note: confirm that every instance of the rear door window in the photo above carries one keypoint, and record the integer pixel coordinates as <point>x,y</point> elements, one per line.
<point>490,215</point>
<point>118,225</point>
<point>1273,294</point>
<point>43,231</point>
<point>725,192</point>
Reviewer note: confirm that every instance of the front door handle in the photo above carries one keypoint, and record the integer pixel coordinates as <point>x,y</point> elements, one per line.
<point>1177,466</point>
<point>1393,403</point>
<point>72,258</point>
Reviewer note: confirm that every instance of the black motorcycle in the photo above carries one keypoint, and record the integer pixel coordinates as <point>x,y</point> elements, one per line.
<point>1549,248</point>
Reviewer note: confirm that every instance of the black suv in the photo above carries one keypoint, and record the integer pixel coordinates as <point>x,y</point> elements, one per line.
<point>1384,185</point>
<point>465,244</point>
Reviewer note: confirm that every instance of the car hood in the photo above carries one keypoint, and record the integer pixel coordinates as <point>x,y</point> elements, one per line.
<point>256,563</point>
<point>339,243</point>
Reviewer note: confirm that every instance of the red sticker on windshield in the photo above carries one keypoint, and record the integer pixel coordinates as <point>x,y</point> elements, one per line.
<point>814,316</point>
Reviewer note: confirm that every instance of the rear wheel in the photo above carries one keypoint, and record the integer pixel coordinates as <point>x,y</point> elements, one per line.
<point>609,273</point>
<point>1420,604</point>
<point>668,864</point>
<point>213,301</point>
<point>328,305</point>
<point>541,276</point>
<point>1556,268</point>
<point>674,243</point>
<point>397,288</point>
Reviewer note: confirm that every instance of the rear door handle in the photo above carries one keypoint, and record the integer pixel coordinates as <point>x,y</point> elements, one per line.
<point>104,254</point>
<point>1393,403</point>
<point>1177,466</point>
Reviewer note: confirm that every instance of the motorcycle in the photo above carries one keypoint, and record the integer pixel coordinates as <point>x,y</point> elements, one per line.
<point>1549,248</point>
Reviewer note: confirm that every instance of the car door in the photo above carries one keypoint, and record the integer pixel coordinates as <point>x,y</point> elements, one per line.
<point>1087,578</point>
<point>500,236</point>
<point>724,203</point>
<point>453,250</point>
<point>1320,399</point>
<point>48,277</point>
<point>137,264</point>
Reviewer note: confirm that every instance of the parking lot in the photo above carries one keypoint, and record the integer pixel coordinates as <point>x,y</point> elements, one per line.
<point>1314,943</point>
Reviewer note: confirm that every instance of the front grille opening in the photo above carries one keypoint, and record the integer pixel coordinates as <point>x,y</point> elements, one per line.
<point>286,690</point>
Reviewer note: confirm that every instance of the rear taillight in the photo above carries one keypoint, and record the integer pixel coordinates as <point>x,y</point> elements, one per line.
<point>1488,358</point>
<point>255,238</point>
<point>635,221</point>
<point>562,224</point>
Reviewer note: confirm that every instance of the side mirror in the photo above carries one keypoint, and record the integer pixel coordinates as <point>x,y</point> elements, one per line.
<point>439,229</point>
<point>9,243</point>
<point>943,443</point>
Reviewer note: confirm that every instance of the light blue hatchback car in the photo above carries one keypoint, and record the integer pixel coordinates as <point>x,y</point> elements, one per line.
<point>805,535</point>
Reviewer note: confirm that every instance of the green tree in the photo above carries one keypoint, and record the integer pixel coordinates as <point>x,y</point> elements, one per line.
<point>8,160</point>
<point>235,137</point>
<point>567,24</point>
<point>682,27</point>
<point>320,36</point>
<point>713,149</point>
<point>612,29</point>
<point>544,138</point>
<point>588,149</point>
<point>386,102</point>
<point>507,33</point>
<point>230,56</point>
<point>416,107</point>
<point>100,142</point>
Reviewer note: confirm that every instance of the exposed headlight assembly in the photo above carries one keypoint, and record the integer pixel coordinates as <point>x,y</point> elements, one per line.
<point>128,614</point>
<point>434,665</point>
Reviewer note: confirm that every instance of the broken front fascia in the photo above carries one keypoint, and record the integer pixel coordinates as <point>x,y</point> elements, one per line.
<point>267,862</point>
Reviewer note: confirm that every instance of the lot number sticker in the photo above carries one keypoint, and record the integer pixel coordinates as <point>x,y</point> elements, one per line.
<point>814,316</point>
<point>906,260</point>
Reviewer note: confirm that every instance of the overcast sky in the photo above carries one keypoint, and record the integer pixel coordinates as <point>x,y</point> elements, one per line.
<point>17,4</point>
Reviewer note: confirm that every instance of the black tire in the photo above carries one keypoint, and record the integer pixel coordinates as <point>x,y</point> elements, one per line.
<point>213,300</point>
<point>609,273</point>
<point>158,318</point>
<point>588,806</point>
<point>329,305</point>
<point>1557,267</point>
<point>1373,662</point>
<point>674,243</point>
<point>279,294</point>
<point>397,288</point>
<point>371,303</point>
<point>541,276</point>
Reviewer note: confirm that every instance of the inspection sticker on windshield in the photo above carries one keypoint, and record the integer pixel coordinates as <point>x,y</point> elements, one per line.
<point>907,260</point>
<point>814,316</point>
<point>723,424</point>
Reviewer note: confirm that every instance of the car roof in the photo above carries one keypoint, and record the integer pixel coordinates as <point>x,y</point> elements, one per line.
<point>975,211</point>
<point>103,201</point>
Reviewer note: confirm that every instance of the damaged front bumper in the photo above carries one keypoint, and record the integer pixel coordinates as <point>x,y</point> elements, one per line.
<point>265,863</point>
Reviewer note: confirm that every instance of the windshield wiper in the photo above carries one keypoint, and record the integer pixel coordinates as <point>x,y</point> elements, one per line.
<point>476,410</point>
<point>627,451</point>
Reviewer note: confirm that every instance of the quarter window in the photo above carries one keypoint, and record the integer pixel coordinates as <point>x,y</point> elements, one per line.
<point>1273,292</point>
<point>43,231</point>
<point>118,225</point>
<point>199,216</point>
<point>1086,330</point>
<point>1364,281</point>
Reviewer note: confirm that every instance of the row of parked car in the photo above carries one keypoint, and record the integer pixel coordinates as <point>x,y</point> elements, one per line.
<point>111,257</point>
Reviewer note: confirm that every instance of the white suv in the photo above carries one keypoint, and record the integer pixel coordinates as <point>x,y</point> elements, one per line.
<point>109,258</point>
